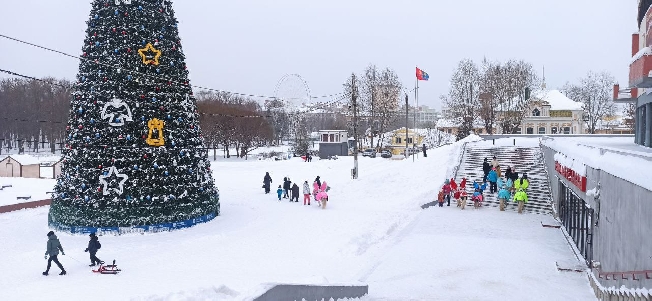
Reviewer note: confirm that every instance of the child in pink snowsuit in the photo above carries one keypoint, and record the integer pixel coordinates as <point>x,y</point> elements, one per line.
<point>322,196</point>
<point>315,191</point>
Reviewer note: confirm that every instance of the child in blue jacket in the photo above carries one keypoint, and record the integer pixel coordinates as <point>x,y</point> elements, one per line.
<point>503,195</point>
<point>279,191</point>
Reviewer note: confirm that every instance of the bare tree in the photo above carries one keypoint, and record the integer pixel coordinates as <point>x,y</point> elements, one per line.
<point>629,115</point>
<point>462,99</point>
<point>595,92</point>
<point>506,85</point>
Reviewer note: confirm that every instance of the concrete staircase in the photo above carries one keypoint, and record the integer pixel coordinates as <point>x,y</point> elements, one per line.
<point>521,159</point>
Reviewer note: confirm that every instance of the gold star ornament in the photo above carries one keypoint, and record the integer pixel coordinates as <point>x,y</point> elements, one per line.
<point>148,58</point>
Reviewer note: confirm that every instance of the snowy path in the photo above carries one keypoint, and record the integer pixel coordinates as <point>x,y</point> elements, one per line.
<point>485,254</point>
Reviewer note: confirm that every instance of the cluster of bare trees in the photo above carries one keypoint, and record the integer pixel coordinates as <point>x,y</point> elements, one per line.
<point>33,114</point>
<point>377,102</point>
<point>229,120</point>
<point>493,92</point>
<point>595,92</point>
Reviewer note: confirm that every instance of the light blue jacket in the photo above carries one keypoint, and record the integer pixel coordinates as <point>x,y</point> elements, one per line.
<point>504,194</point>
<point>509,183</point>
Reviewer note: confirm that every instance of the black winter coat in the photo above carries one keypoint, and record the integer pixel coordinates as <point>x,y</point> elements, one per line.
<point>267,179</point>
<point>295,189</point>
<point>93,245</point>
<point>486,167</point>
<point>286,185</point>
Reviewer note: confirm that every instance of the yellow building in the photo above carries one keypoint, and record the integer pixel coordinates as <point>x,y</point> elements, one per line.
<point>414,140</point>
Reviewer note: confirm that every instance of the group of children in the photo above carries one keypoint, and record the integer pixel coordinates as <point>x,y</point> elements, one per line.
<point>319,192</point>
<point>54,246</point>
<point>511,187</point>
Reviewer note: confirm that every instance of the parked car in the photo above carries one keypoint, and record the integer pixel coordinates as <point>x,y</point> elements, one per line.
<point>370,152</point>
<point>385,154</point>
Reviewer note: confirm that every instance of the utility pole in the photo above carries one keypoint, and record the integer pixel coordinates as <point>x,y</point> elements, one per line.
<point>407,109</point>
<point>354,172</point>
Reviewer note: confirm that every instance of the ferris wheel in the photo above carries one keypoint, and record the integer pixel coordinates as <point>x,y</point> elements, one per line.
<point>293,93</point>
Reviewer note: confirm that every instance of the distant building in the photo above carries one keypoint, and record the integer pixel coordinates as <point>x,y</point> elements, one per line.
<point>16,166</point>
<point>398,140</point>
<point>550,112</point>
<point>333,143</point>
<point>450,125</point>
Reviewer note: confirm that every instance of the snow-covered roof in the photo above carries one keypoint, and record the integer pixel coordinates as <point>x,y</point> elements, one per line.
<point>25,159</point>
<point>643,52</point>
<point>456,122</point>
<point>557,100</point>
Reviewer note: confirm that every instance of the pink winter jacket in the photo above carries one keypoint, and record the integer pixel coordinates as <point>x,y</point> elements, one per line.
<point>315,188</point>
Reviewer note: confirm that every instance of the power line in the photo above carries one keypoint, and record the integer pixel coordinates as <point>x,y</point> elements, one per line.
<point>312,109</point>
<point>147,75</point>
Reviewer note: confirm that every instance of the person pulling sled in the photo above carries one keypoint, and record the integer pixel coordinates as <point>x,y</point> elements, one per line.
<point>93,246</point>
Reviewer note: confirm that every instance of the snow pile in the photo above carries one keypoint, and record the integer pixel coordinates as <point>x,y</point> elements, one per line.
<point>594,192</point>
<point>573,163</point>
<point>641,53</point>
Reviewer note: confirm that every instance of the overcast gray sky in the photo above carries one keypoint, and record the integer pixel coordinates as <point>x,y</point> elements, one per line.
<point>247,46</point>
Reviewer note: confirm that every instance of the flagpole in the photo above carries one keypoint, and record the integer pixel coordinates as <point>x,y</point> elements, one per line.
<point>416,97</point>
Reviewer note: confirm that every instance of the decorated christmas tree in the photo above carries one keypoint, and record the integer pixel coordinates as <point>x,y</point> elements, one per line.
<point>134,154</point>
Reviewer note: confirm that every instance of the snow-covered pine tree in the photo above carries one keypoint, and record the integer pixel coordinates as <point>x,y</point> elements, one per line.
<point>134,152</point>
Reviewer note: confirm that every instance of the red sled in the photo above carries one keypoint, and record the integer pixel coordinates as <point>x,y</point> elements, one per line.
<point>108,269</point>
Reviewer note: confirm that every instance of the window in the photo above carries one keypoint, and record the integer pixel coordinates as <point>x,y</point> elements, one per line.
<point>518,130</point>
<point>332,136</point>
<point>542,130</point>
<point>553,130</point>
<point>529,131</point>
<point>536,112</point>
<point>409,140</point>
<point>479,131</point>
<point>337,138</point>
<point>324,138</point>
<point>567,130</point>
<point>450,131</point>
<point>398,140</point>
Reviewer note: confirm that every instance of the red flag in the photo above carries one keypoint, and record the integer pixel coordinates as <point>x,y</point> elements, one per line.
<point>422,75</point>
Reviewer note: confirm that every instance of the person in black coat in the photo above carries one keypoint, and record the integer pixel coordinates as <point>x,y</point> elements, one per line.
<point>508,173</point>
<point>424,151</point>
<point>286,187</point>
<point>267,181</point>
<point>93,246</point>
<point>486,167</point>
<point>318,181</point>
<point>295,193</point>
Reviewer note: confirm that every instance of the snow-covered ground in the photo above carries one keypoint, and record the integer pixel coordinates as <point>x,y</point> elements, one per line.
<point>36,188</point>
<point>372,231</point>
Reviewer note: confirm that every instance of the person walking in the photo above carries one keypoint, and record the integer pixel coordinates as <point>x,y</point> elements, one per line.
<point>522,183</point>
<point>503,196</point>
<point>424,151</point>
<point>463,197</point>
<point>447,192</point>
<point>521,198</point>
<point>52,249</point>
<point>93,246</point>
<point>279,191</point>
<point>306,192</point>
<point>286,188</point>
<point>267,181</point>
<point>486,168</point>
<point>295,193</point>
<point>493,179</point>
